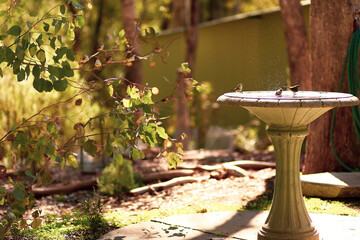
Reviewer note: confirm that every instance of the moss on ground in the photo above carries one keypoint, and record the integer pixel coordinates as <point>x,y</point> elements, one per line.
<point>78,225</point>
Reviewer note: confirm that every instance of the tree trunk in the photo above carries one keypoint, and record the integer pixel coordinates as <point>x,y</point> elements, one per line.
<point>297,43</point>
<point>178,9</point>
<point>331,31</point>
<point>182,111</point>
<point>134,72</point>
<point>216,9</point>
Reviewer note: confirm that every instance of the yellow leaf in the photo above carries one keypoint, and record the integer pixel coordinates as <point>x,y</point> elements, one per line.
<point>72,161</point>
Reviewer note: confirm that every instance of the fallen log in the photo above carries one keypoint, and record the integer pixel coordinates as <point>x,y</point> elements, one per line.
<point>166,175</point>
<point>44,191</point>
<point>167,184</point>
<point>246,164</point>
<point>234,170</point>
<point>251,164</point>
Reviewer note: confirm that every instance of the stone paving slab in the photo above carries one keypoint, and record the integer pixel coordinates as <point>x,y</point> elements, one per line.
<point>331,185</point>
<point>233,225</point>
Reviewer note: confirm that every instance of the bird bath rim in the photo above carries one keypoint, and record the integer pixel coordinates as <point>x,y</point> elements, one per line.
<point>301,99</point>
<point>288,110</point>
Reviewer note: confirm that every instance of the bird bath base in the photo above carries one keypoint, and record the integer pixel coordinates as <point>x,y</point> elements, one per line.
<point>287,117</point>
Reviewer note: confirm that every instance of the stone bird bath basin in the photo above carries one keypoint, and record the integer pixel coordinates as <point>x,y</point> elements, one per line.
<point>287,117</point>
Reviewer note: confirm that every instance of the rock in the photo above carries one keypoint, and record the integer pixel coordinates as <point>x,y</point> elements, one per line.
<point>331,185</point>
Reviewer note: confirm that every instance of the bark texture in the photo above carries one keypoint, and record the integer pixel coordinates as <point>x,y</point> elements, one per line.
<point>297,43</point>
<point>178,9</point>
<point>182,109</point>
<point>331,31</point>
<point>128,12</point>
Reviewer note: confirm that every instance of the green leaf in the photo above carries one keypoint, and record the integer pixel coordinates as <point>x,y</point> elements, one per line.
<point>62,9</point>
<point>18,194</point>
<point>46,27</point>
<point>25,41</point>
<point>135,154</point>
<point>60,52</point>
<point>126,102</point>
<point>36,71</point>
<point>90,147</point>
<point>29,174</point>
<point>16,66</point>
<point>52,42</point>
<point>54,71</point>
<point>21,137</point>
<point>80,20</point>
<point>162,133</point>
<point>118,159</point>
<point>41,56</point>
<point>72,161</point>
<point>48,86</point>
<point>39,40</point>
<point>50,149</point>
<point>51,127</point>
<point>9,55</point>
<point>20,53</point>
<point>14,30</point>
<point>185,67</point>
<point>11,214</point>
<point>21,75</point>
<point>122,33</point>
<point>66,70</point>
<point>70,54</point>
<point>39,84</point>
<point>60,85</point>
<point>32,49</point>
<point>59,159</point>
<point>173,160</point>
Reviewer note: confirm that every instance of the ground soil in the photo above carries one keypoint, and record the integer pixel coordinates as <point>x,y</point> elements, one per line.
<point>230,190</point>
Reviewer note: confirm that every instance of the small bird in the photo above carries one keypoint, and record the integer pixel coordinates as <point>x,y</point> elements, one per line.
<point>239,88</point>
<point>108,59</point>
<point>84,60</point>
<point>285,87</point>
<point>101,47</point>
<point>294,88</point>
<point>97,64</point>
<point>278,92</point>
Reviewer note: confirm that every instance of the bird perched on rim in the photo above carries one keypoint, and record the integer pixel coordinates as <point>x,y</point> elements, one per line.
<point>285,87</point>
<point>278,92</point>
<point>294,88</point>
<point>239,88</point>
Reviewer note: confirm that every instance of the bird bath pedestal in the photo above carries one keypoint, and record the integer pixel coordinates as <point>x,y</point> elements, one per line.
<point>287,117</point>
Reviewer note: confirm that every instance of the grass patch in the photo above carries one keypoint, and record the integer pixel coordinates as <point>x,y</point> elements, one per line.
<point>80,226</point>
<point>313,205</point>
<point>122,218</point>
<point>336,207</point>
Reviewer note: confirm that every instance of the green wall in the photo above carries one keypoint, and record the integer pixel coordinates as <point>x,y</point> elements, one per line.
<point>247,48</point>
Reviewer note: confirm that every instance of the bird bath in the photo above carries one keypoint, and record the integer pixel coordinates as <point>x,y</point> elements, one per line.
<point>287,117</point>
